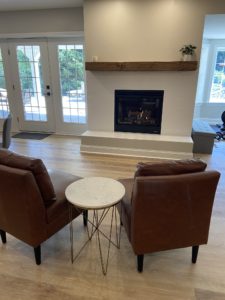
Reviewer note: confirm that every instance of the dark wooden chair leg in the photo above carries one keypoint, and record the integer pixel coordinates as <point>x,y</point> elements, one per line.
<point>37,254</point>
<point>194,253</point>
<point>3,236</point>
<point>85,217</point>
<point>140,260</point>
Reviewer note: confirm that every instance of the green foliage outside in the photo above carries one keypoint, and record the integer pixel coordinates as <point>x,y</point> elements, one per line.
<point>71,69</point>
<point>25,71</point>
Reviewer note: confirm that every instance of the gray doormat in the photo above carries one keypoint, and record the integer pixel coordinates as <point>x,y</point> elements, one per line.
<point>31,135</point>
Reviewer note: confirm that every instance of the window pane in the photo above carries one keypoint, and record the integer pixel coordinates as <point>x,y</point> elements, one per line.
<point>217,93</point>
<point>71,67</point>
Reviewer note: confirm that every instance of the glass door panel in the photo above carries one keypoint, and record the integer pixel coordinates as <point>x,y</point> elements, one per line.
<point>4,104</point>
<point>66,58</point>
<point>71,72</point>
<point>31,82</point>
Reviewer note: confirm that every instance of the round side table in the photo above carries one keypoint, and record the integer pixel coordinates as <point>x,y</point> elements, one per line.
<point>97,194</point>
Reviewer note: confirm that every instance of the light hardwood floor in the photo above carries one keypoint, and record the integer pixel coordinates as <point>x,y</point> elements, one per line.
<point>167,275</point>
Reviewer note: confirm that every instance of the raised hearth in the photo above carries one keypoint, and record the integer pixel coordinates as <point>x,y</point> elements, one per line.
<point>136,144</point>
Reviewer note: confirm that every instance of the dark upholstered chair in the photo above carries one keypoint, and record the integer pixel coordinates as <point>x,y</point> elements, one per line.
<point>32,200</point>
<point>167,206</point>
<point>6,133</point>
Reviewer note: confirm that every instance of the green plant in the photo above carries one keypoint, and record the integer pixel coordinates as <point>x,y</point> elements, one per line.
<point>188,49</point>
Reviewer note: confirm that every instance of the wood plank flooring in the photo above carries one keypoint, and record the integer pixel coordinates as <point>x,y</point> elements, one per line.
<point>167,275</point>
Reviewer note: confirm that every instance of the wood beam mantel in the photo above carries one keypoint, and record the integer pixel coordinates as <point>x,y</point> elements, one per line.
<point>142,66</point>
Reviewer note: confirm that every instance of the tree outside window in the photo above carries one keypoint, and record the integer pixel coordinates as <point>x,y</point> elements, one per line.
<point>71,68</point>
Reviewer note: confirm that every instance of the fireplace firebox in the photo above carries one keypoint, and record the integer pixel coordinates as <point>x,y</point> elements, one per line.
<point>138,111</point>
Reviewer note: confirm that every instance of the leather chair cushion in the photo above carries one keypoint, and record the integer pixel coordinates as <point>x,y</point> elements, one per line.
<point>36,166</point>
<point>60,181</point>
<point>173,167</point>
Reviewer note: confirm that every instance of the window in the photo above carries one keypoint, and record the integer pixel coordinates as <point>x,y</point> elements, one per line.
<point>217,92</point>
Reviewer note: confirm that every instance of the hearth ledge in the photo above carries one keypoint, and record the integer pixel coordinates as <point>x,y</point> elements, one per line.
<point>136,145</point>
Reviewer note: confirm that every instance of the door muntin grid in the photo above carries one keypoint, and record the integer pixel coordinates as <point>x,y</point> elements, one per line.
<point>31,82</point>
<point>4,104</point>
<point>71,71</point>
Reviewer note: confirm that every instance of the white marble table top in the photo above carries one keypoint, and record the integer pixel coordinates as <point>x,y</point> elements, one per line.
<point>95,192</point>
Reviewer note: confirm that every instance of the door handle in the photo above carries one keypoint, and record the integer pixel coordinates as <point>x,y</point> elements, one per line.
<point>48,92</point>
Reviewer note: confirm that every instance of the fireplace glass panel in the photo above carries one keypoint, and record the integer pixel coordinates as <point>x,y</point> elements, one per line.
<point>138,111</point>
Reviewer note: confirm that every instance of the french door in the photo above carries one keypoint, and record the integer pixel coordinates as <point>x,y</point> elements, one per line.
<point>32,84</point>
<point>47,90</point>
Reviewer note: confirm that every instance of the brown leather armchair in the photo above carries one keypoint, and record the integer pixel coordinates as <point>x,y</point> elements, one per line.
<point>32,200</point>
<point>167,206</point>
<point>6,132</point>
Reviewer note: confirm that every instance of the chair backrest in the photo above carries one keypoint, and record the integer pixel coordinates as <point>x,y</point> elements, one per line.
<point>34,165</point>
<point>22,210</point>
<point>6,135</point>
<point>172,211</point>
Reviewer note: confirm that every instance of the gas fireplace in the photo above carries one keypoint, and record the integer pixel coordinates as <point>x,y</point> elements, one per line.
<point>138,111</point>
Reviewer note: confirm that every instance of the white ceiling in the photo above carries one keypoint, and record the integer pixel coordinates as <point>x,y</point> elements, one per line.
<point>6,5</point>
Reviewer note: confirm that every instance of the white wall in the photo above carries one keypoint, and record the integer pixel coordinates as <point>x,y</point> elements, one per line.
<point>40,21</point>
<point>139,30</point>
<point>145,30</point>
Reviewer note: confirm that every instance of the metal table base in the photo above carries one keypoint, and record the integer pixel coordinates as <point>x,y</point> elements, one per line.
<point>97,219</point>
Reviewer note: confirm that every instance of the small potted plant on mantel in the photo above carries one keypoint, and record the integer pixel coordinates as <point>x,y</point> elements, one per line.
<point>188,52</point>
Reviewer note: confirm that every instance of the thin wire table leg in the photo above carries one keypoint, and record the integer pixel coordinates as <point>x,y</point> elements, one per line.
<point>71,231</point>
<point>104,268</point>
<point>95,224</point>
<point>118,231</point>
<point>90,235</point>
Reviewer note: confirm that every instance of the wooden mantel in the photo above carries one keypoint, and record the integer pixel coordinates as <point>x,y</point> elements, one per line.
<point>142,66</point>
